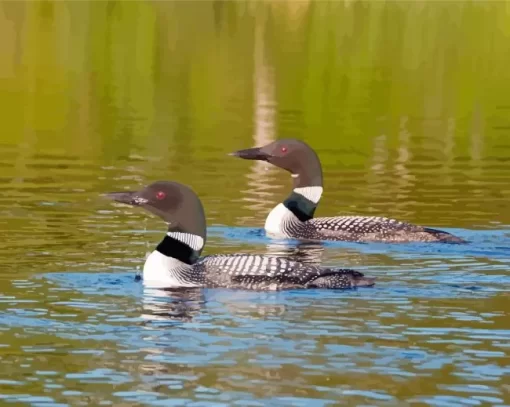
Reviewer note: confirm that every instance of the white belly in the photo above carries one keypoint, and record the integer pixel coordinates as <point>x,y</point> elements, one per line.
<point>157,272</point>
<point>276,219</point>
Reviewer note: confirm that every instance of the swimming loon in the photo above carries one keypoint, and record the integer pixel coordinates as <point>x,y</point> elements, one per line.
<point>294,217</point>
<point>176,262</point>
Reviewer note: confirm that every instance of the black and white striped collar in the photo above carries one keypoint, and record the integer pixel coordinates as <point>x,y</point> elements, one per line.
<point>184,247</point>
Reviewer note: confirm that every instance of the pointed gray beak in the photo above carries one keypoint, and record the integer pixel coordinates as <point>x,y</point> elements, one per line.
<point>127,197</point>
<point>251,154</point>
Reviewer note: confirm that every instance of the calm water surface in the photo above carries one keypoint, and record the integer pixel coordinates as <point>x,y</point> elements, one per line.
<point>407,105</point>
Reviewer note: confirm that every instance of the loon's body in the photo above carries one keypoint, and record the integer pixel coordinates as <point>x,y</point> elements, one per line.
<point>295,216</point>
<point>176,261</point>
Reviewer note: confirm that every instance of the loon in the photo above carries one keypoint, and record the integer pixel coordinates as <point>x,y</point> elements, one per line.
<point>294,217</point>
<point>176,261</point>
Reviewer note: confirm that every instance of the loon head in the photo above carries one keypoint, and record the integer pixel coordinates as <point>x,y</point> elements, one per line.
<point>292,155</point>
<point>176,204</point>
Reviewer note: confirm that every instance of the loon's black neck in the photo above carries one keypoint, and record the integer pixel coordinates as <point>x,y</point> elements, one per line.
<point>177,249</point>
<point>300,206</point>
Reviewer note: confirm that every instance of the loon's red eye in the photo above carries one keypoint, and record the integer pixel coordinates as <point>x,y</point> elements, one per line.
<point>283,149</point>
<point>160,195</point>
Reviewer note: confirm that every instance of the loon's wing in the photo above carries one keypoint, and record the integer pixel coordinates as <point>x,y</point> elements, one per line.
<point>265,272</point>
<point>375,228</point>
<point>362,224</point>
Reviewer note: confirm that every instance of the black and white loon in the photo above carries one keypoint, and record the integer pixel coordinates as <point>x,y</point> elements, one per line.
<point>294,217</point>
<point>176,262</point>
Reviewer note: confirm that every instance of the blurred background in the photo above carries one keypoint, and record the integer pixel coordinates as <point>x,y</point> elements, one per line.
<point>407,104</point>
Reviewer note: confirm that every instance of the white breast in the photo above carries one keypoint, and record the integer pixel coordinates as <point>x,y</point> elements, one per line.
<point>159,272</point>
<point>277,219</point>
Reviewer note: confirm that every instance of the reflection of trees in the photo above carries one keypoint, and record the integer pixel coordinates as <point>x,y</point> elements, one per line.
<point>143,86</point>
<point>259,176</point>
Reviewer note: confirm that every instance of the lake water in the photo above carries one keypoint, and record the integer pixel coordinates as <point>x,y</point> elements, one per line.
<point>407,104</point>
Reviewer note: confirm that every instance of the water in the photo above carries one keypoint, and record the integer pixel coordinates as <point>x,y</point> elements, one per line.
<point>407,106</point>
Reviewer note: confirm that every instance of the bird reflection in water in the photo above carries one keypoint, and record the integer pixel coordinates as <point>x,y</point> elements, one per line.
<point>186,304</point>
<point>311,252</point>
<point>172,304</point>
<point>304,252</point>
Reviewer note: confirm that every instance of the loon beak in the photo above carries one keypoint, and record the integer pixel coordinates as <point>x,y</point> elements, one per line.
<point>127,197</point>
<point>251,154</point>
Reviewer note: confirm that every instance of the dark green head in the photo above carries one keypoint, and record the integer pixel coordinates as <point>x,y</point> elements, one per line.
<point>292,155</point>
